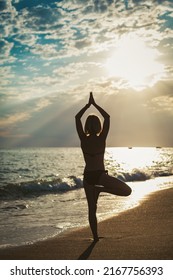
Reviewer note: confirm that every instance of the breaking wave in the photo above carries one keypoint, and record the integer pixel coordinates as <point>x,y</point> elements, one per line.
<point>60,186</point>
<point>140,175</point>
<point>41,187</point>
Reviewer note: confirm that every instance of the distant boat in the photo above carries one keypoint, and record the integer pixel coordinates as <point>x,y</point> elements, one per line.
<point>129,147</point>
<point>158,147</point>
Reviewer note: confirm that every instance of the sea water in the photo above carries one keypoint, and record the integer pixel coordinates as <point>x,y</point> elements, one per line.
<point>41,189</point>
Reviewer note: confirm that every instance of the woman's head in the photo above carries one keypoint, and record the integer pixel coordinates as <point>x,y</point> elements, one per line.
<point>93,125</point>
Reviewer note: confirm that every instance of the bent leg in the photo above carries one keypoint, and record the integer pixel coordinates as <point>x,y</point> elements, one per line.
<point>114,186</point>
<point>92,194</point>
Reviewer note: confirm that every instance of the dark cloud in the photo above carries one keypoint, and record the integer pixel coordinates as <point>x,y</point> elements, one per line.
<point>80,44</point>
<point>40,18</point>
<point>3,5</point>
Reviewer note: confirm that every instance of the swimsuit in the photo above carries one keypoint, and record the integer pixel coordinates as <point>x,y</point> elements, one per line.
<point>92,177</point>
<point>93,155</point>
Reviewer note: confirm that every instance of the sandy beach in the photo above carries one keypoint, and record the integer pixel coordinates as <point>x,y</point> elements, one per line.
<point>144,232</point>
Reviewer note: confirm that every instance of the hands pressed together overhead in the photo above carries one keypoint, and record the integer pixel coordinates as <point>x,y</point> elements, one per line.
<point>91,99</point>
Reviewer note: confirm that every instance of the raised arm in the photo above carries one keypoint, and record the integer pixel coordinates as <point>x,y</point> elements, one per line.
<point>106,123</point>
<point>78,117</point>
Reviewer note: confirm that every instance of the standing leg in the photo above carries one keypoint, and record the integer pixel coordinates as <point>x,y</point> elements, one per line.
<point>92,194</point>
<point>114,186</point>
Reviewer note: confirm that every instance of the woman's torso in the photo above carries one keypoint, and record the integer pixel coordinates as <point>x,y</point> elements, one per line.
<point>93,148</point>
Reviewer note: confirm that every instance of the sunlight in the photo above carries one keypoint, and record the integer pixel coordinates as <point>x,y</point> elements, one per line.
<point>136,158</point>
<point>134,62</point>
<point>136,163</point>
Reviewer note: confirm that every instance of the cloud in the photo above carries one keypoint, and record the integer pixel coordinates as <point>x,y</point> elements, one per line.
<point>129,112</point>
<point>162,103</point>
<point>26,39</point>
<point>6,75</point>
<point>72,70</point>
<point>79,26</point>
<point>80,44</point>
<point>40,19</point>
<point>43,103</point>
<point>5,50</point>
<point>6,6</point>
<point>13,119</point>
<point>46,51</point>
<point>7,18</point>
<point>55,51</point>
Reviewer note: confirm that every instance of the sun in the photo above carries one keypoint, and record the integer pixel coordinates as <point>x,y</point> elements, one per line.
<point>135,63</point>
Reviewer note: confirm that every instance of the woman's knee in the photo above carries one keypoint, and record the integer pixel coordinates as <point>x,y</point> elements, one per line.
<point>127,191</point>
<point>123,188</point>
<point>115,186</point>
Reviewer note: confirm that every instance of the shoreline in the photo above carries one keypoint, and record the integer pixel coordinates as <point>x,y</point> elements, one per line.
<point>143,232</point>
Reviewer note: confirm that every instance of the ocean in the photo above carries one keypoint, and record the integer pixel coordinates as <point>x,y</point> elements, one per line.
<point>42,195</point>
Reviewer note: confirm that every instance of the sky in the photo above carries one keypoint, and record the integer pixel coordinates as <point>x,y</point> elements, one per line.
<point>53,53</point>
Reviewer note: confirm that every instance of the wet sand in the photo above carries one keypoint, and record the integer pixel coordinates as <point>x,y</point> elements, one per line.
<point>144,232</point>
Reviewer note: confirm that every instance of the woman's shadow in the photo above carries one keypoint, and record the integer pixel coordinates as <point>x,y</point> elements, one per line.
<point>85,255</point>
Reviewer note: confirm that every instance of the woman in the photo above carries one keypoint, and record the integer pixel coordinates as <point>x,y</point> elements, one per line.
<point>96,178</point>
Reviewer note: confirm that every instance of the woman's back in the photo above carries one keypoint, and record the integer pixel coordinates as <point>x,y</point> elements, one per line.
<point>93,148</point>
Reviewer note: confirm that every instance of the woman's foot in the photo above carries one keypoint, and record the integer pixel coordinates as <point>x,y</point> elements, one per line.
<point>96,239</point>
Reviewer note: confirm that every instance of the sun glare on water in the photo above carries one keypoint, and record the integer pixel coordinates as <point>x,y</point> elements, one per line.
<point>135,63</point>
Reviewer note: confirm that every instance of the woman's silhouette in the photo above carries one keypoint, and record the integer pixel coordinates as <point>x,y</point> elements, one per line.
<point>96,178</point>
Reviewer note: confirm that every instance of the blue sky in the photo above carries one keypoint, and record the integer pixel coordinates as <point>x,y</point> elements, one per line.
<point>53,53</point>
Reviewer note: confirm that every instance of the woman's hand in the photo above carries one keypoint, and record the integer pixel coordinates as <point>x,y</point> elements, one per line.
<point>91,99</point>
